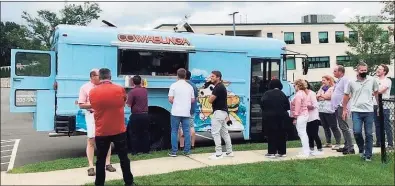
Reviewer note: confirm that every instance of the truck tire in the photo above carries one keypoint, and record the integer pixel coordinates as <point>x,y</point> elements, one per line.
<point>159,129</point>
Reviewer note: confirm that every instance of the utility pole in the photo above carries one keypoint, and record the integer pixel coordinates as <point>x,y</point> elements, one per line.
<point>234,24</point>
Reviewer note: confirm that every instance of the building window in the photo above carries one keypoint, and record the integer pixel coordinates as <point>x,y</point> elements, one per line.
<point>344,61</point>
<point>323,37</point>
<point>305,38</point>
<point>353,35</point>
<point>339,35</point>
<point>289,38</point>
<point>319,62</point>
<point>291,65</point>
<point>269,35</point>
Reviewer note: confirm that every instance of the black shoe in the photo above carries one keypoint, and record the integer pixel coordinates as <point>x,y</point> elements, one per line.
<point>377,145</point>
<point>341,150</point>
<point>346,152</point>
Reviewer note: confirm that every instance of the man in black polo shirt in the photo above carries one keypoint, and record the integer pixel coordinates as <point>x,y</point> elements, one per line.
<point>218,99</point>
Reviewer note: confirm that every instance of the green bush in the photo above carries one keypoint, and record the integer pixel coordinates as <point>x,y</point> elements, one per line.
<point>4,73</point>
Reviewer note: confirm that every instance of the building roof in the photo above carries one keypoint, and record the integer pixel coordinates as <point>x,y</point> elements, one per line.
<point>254,24</point>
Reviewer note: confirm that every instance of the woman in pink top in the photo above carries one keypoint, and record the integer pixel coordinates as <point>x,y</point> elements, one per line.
<point>326,112</point>
<point>300,114</point>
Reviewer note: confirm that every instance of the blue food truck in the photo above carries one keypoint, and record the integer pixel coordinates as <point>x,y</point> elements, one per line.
<point>48,84</point>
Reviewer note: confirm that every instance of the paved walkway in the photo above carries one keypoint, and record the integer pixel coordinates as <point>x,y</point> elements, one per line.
<point>150,167</point>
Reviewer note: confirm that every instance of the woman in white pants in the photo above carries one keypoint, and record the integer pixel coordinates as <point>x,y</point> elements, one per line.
<point>300,115</point>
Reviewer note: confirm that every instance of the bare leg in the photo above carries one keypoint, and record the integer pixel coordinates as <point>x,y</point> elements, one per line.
<point>181,137</point>
<point>108,156</point>
<point>90,151</point>
<point>193,137</point>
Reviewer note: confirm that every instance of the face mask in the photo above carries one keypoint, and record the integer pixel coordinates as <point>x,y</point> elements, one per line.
<point>363,74</point>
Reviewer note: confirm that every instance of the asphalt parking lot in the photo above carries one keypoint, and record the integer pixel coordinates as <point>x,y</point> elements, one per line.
<point>9,149</point>
<point>37,146</point>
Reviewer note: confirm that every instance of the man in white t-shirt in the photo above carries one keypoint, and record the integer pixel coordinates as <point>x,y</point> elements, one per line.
<point>384,89</point>
<point>181,95</point>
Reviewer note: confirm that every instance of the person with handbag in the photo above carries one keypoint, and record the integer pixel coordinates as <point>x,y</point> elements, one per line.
<point>275,106</point>
<point>300,115</point>
<point>327,114</point>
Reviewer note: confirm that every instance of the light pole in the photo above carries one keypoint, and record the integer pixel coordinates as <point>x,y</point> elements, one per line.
<point>234,26</point>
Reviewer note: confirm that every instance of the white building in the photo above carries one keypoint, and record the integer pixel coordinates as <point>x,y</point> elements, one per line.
<point>322,42</point>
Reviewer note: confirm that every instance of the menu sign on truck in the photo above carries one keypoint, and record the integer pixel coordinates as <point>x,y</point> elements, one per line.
<point>134,38</point>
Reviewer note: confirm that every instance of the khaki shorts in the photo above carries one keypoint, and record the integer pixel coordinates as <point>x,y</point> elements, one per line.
<point>90,124</point>
<point>191,122</point>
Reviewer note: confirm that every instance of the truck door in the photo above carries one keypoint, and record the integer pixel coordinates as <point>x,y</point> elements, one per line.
<point>263,70</point>
<point>32,86</point>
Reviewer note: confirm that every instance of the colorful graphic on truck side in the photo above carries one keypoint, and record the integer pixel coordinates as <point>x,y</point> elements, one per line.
<point>204,112</point>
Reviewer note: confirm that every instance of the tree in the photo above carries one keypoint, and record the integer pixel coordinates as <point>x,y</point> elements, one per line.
<point>389,11</point>
<point>370,44</point>
<point>43,26</point>
<point>13,36</point>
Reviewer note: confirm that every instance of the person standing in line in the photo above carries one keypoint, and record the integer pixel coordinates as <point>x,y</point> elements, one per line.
<point>138,126</point>
<point>384,89</point>
<point>181,95</point>
<point>108,102</point>
<point>336,101</point>
<point>83,102</point>
<point>362,111</point>
<point>191,120</point>
<point>326,112</point>
<point>300,115</point>
<point>313,123</point>
<point>219,129</point>
<point>275,106</point>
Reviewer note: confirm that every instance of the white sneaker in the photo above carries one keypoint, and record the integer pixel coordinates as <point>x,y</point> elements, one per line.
<point>270,155</point>
<point>215,157</point>
<point>317,153</point>
<point>229,154</point>
<point>335,147</point>
<point>281,155</point>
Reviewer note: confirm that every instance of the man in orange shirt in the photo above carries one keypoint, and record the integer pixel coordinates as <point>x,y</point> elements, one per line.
<point>108,101</point>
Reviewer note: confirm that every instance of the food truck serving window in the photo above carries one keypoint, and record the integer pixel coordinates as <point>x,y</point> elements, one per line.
<point>152,63</point>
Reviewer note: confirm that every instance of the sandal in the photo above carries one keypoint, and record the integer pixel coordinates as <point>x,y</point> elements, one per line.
<point>110,168</point>
<point>91,172</point>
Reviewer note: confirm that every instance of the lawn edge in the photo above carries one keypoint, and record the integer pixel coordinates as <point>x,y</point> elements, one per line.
<point>20,170</point>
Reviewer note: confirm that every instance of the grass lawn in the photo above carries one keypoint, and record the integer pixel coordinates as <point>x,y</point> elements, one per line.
<point>346,170</point>
<point>70,163</point>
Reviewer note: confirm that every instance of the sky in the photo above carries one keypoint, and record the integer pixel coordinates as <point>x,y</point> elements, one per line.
<point>147,15</point>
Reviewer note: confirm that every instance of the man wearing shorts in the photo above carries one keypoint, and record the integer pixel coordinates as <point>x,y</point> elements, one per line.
<point>191,120</point>
<point>83,102</point>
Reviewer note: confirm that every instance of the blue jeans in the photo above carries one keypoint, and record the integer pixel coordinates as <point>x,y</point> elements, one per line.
<point>175,124</point>
<point>364,119</point>
<point>387,127</point>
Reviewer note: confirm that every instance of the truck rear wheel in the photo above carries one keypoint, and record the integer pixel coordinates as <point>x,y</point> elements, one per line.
<point>159,128</point>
